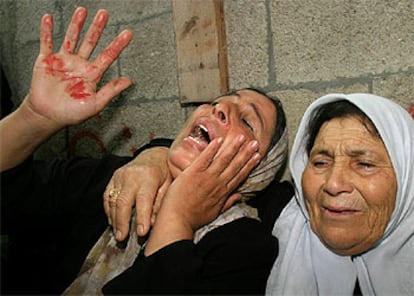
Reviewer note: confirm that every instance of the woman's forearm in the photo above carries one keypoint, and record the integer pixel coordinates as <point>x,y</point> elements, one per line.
<point>21,133</point>
<point>169,228</point>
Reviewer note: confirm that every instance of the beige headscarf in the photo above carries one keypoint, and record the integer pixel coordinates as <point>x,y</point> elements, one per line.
<point>267,169</point>
<point>107,259</point>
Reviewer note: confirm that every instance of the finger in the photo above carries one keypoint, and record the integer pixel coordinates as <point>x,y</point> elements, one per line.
<point>227,152</point>
<point>110,91</point>
<point>111,205</point>
<point>94,33</point>
<point>46,33</point>
<point>158,199</point>
<point>231,200</point>
<point>122,213</point>
<point>245,154</point>
<point>120,207</point>
<point>207,156</point>
<point>73,31</point>
<point>111,53</point>
<point>106,200</point>
<point>234,182</point>
<point>112,213</point>
<point>144,202</point>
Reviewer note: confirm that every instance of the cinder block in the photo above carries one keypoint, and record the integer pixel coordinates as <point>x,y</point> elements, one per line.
<point>318,40</point>
<point>20,69</point>
<point>398,87</point>
<point>23,19</point>
<point>132,11</point>
<point>247,46</point>
<point>123,129</point>
<point>150,60</point>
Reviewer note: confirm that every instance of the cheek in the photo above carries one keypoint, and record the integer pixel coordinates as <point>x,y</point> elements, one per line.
<point>380,199</point>
<point>310,188</point>
<point>378,218</point>
<point>179,159</point>
<point>237,130</point>
<point>310,185</point>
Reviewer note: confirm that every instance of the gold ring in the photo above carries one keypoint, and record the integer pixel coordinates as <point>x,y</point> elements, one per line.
<point>113,193</point>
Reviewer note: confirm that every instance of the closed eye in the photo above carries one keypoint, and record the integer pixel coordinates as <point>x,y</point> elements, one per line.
<point>366,165</point>
<point>319,164</point>
<point>246,123</point>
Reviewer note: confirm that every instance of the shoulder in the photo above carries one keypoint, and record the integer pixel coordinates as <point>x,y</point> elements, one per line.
<point>271,201</point>
<point>240,238</point>
<point>241,253</point>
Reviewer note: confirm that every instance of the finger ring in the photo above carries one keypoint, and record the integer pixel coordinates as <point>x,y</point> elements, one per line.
<point>113,193</point>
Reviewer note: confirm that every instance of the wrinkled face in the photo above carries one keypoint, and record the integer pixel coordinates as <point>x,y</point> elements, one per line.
<point>246,112</point>
<point>349,186</point>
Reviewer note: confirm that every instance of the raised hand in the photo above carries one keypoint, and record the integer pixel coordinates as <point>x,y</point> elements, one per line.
<point>63,90</point>
<point>64,84</point>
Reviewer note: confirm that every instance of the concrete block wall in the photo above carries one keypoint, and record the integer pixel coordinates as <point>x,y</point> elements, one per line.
<point>296,50</point>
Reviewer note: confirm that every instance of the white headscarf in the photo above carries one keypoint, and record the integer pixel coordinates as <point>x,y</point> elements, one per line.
<point>305,266</point>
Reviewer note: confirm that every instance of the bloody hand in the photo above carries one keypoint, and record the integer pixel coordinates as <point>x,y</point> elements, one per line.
<point>64,84</point>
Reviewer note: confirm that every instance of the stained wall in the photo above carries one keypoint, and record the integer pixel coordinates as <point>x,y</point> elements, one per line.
<point>296,50</point>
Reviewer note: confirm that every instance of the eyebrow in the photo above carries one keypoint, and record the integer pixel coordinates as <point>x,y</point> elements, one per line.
<point>321,152</point>
<point>353,153</point>
<point>255,110</point>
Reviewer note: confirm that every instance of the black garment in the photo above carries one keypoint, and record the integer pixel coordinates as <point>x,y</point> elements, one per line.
<point>235,258</point>
<point>6,104</point>
<point>53,214</point>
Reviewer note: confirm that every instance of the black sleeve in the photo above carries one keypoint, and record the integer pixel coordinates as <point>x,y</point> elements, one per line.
<point>235,258</point>
<point>51,213</point>
<point>157,142</point>
<point>38,192</point>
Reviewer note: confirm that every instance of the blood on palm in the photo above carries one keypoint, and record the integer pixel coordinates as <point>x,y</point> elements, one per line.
<point>76,88</point>
<point>68,46</point>
<point>55,68</point>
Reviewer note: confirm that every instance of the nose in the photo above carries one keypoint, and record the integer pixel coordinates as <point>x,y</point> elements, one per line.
<point>338,181</point>
<point>221,111</point>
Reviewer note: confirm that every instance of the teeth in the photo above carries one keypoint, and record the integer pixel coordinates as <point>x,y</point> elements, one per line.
<point>201,133</point>
<point>203,128</point>
<point>196,139</point>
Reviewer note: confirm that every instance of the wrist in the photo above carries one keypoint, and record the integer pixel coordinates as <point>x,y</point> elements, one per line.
<point>36,122</point>
<point>168,228</point>
<point>22,132</point>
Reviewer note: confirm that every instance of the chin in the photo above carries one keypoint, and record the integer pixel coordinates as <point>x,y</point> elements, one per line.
<point>178,160</point>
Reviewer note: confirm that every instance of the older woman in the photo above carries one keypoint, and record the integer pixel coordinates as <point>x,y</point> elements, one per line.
<point>349,228</point>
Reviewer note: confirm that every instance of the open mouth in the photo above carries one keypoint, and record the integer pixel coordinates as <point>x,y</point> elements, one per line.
<point>200,134</point>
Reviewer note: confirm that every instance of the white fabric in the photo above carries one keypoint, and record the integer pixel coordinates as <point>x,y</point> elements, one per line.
<point>305,266</point>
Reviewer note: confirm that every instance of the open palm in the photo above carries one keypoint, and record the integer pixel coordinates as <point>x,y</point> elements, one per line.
<point>64,84</point>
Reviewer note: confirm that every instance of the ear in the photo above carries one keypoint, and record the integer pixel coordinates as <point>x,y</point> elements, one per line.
<point>231,200</point>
